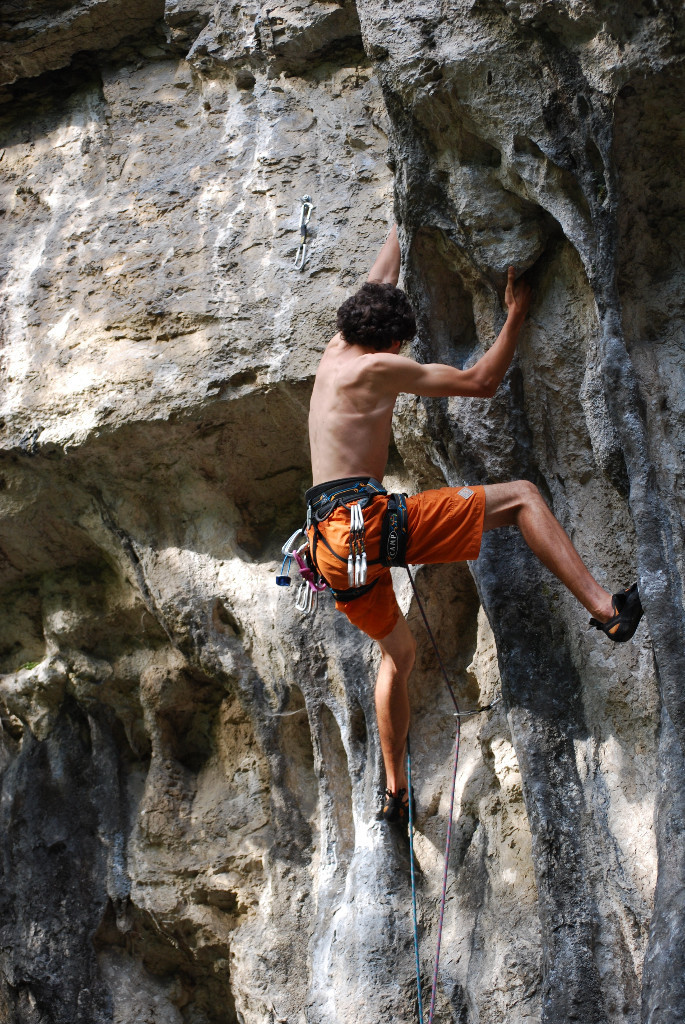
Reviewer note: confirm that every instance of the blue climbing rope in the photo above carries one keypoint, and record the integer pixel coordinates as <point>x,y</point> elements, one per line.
<point>413,884</point>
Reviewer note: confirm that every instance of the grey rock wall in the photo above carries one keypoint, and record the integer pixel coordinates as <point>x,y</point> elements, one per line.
<point>189,767</point>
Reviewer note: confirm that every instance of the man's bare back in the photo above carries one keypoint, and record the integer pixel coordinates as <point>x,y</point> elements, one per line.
<point>349,417</point>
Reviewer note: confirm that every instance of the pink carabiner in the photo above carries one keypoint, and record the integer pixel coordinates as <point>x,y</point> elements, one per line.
<point>307,574</point>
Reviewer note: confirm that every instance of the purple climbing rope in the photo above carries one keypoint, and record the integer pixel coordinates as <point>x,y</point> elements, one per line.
<point>413,884</point>
<point>450,821</point>
<point>443,897</point>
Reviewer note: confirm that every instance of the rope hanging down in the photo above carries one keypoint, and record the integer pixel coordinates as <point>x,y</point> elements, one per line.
<point>458,715</point>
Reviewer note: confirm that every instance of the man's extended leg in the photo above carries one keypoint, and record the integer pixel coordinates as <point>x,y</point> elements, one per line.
<point>520,503</point>
<point>398,650</point>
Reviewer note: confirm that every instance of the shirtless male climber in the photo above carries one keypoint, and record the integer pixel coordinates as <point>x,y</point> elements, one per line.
<point>360,375</point>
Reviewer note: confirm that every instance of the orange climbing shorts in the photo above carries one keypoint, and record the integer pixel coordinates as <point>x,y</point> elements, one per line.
<point>444,526</point>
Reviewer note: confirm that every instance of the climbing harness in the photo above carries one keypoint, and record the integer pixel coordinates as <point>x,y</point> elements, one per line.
<point>303,249</point>
<point>356,495</point>
<point>458,715</point>
<point>322,500</point>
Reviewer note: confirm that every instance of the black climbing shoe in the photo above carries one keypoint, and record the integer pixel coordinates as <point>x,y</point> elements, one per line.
<point>396,809</point>
<point>623,624</point>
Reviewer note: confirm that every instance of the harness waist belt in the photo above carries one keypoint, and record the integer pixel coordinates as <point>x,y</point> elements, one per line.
<point>324,498</point>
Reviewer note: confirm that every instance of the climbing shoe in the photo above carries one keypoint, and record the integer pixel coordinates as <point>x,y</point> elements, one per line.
<point>628,612</point>
<point>396,809</point>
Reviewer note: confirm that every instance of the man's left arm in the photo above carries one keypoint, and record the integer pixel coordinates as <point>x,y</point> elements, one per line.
<point>386,269</point>
<point>393,373</point>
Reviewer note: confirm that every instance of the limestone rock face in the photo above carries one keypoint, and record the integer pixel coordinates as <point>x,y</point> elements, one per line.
<point>190,768</point>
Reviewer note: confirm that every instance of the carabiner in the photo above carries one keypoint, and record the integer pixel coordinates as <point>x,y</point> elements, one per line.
<point>287,548</point>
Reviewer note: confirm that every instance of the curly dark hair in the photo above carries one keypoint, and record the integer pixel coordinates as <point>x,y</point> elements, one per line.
<point>376,315</point>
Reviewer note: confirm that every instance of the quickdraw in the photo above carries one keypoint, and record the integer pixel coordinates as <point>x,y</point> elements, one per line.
<point>302,253</point>
<point>356,560</point>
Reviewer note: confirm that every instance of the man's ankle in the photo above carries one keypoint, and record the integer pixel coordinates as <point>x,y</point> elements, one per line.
<point>604,610</point>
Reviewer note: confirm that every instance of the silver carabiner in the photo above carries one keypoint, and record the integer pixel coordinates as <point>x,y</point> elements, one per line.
<point>307,207</point>
<point>287,548</point>
<point>305,598</point>
<point>301,256</point>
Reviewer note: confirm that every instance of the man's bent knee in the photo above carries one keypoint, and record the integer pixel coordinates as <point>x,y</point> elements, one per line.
<point>528,493</point>
<point>503,502</point>
<point>405,656</point>
<point>400,647</point>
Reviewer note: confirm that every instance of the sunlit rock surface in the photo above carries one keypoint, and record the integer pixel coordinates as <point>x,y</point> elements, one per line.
<point>190,768</point>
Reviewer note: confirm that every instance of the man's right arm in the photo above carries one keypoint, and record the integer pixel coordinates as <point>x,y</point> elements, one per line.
<point>386,269</point>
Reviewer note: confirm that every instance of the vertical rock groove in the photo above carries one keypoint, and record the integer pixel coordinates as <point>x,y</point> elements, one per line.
<point>578,127</point>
